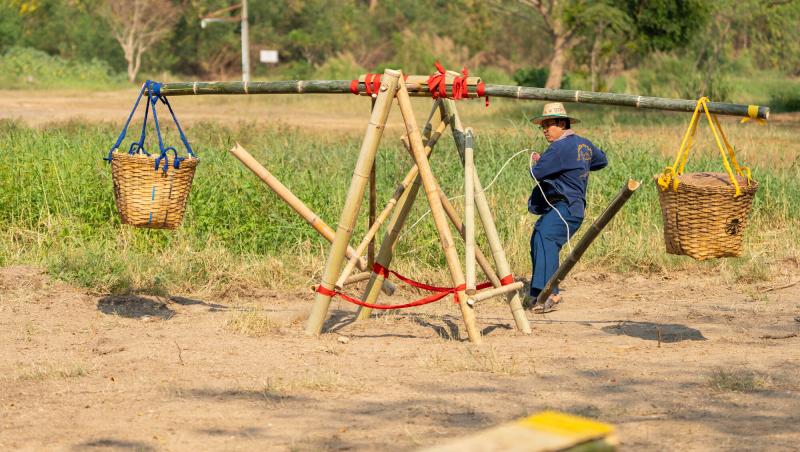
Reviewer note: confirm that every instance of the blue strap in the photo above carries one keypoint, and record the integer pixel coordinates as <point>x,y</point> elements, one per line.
<point>180,131</point>
<point>125,128</point>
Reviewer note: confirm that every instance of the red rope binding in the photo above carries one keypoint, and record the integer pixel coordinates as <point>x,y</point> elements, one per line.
<point>437,83</point>
<point>439,292</point>
<point>509,279</point>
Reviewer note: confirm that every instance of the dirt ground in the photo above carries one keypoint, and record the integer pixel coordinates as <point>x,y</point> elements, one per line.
<point>676,363</point>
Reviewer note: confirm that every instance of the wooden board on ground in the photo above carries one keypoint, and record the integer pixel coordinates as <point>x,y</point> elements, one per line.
<point>545,431</point>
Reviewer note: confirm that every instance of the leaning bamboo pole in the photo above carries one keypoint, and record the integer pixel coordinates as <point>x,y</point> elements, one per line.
<point>395,225</point>
<point>487,220</point>
<point>594,230</point>
<point>437,212</point>
<point>291,200</point>
<point>355,194</point>
<point>504,91</point>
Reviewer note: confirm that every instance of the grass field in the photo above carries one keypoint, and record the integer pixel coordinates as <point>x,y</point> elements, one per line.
<point>57,209</point>
<point>198,332</point>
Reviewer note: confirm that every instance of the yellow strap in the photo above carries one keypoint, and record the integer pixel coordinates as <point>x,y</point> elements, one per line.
<point>722,153</point>
<point>670,174</point>
<point>752,113</point>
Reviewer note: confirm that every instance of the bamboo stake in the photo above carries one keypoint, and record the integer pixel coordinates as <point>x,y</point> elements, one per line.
<point>405,203</point>
<point>506,91</point>
<point>469,214</point>
<point>479,257</point>
<point>372,207</point>
<point>489,293</point>
<point>489,227</point>
<point>355,194</point>
<point>437,212</point>
<point>369,237</point>
<point>594,230</point>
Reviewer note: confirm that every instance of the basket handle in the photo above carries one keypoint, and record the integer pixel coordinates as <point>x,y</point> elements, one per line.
<point>153,90</point>
<point>671,173</point>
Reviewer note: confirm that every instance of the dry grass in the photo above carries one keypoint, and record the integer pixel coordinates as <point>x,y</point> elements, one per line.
<point>251,323</point>
<point>487,359</point>
<point>739,381</point>
<point>41,372</point>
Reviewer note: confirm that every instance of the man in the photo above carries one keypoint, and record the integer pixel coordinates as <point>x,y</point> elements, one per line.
<point>562,173</point>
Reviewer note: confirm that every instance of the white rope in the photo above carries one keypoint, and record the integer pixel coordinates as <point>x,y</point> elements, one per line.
<point>502,168</point>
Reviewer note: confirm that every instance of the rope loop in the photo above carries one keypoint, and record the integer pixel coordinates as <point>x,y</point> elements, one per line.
<point>153,91</point>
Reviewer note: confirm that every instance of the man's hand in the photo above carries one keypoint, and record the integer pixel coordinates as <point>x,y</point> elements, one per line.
<point>535,158</point>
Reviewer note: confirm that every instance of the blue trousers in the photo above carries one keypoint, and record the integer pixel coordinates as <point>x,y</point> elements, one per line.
<point>549,235</point>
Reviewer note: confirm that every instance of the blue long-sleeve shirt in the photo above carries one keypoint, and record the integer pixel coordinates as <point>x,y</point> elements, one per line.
<point>563,172</point>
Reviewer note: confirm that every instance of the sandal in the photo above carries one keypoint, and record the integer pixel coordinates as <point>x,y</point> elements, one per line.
<point>548,306</point>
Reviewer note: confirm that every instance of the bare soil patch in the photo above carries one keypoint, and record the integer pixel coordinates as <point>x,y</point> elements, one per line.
<point>675,362</point>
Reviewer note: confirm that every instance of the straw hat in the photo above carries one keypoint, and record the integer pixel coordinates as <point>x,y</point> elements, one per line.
<point>554,110</point>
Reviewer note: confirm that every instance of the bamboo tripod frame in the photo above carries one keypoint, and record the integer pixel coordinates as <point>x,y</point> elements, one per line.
<point>442,115</point>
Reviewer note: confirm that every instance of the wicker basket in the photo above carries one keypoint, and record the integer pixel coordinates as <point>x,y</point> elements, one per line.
<point>702,219</point>
<point>147,197</point>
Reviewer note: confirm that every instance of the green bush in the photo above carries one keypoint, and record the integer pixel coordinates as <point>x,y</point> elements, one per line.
<point>341,67</point>
<point>537,76</point>
<point>22,67</point>
<point>785,98</point>
<point>670,75</point>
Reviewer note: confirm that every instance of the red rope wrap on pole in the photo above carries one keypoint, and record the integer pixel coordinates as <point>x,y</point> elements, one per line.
<point>509,279</point>
<point>437,85</point>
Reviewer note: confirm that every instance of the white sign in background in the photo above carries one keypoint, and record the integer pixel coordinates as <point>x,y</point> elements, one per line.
<point>268,56</point>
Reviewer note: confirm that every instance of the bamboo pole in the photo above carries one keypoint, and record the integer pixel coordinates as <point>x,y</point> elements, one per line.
<point>355,194</point>
<point>479,257</point>
<point>489,293</point>
<point>594,230</point>
<point>372,206</point>
<point>504,91</point>
<point>469,214</point>
<point>381,218</point>
<point>357,278</point>
<point>291,200</point>
<point>405,203</point>
<point>437,212</point>
<point>489,227</point>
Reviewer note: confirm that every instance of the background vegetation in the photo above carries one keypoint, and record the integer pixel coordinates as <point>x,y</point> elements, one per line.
<point>57,208</point>
<point>675,48</point>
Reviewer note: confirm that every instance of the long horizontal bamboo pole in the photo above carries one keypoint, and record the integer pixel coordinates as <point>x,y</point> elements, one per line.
<point>594,230</point>
<point>506,91</point>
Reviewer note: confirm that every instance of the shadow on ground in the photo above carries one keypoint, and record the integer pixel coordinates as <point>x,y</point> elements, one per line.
<point>134,307</point>
<point>662,332</point>
<point>113,444</point>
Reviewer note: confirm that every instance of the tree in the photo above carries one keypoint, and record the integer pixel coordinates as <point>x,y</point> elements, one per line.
<point>563,34</point>
<point>137,25</point>
<point>605,28</point>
